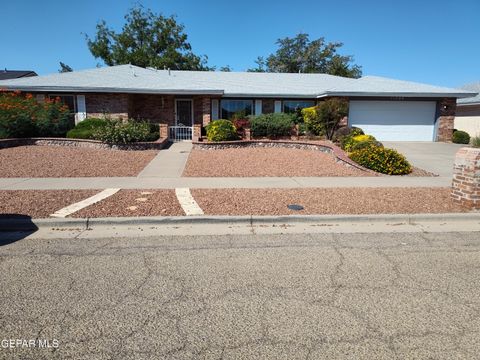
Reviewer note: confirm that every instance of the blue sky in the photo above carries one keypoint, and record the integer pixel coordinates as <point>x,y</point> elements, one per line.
<point>436,42</point>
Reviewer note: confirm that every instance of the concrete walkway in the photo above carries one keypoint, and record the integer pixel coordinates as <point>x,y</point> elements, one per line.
<point>251,182</point>
<point>169,163</point>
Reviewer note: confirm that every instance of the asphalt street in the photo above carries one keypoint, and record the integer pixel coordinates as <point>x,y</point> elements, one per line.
<point>296,296</point>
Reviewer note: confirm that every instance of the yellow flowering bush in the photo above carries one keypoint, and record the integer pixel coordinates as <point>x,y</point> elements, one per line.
<point>382,160</point>
<point>350,141</point>
<point>221,130</point>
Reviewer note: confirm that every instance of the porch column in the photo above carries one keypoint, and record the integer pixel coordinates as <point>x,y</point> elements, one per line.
<point>446,108</point>
<point>206,110</point>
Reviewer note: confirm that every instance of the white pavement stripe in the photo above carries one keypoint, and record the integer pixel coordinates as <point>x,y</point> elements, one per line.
<point>187,202</point>
<point>84,203</point>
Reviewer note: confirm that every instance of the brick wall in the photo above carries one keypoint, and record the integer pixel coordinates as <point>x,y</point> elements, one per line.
<point>466,178</point>
<point>154,108</point>
<point>445,118</point>
<point>114,105</point>
<point>202,109</point>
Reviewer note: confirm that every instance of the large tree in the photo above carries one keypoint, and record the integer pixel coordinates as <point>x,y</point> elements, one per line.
<point>146,39</point>
<point>300,54</point>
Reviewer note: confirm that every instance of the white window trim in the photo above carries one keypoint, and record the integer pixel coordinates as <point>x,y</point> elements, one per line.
<point>278,106</point>
<point>258,107</point>
<point>81,109</point>
<point>215,109</point>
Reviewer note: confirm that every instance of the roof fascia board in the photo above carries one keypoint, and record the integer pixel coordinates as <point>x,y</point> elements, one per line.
<point>396,94</point>
<point>111,90</point>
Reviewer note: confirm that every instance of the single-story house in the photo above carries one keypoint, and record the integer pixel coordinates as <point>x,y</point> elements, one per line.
<point>15,74</point>
<point>467,117</point>
<point>388,109</point>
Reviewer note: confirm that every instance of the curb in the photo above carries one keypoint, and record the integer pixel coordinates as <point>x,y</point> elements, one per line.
<point>25,224</point>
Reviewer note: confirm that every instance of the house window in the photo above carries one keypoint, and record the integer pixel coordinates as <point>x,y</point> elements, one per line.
<point>235,108</point>
<point>68,100</point>
<point>292,106</point>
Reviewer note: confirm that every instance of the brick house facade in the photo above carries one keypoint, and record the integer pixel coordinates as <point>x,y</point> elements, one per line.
<point>161,109</point>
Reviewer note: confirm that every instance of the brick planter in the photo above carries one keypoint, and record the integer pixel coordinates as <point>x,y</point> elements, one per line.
<point>466,178</point>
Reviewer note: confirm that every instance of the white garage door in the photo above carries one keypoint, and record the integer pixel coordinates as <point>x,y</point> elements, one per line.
<point>394,120</point>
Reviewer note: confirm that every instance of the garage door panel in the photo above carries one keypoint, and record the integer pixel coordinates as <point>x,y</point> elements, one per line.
<point>394,120</point>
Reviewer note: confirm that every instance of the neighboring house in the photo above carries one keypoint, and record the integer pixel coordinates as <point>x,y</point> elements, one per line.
<point>468,112</point>
<point>15,74</point>
<point>388,109</point>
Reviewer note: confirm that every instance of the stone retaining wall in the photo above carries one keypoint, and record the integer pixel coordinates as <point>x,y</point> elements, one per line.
<point>83,143</point>
<point>324,147</point>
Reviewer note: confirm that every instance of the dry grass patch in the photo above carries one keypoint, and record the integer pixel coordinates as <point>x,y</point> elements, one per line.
<point>325,201</point>
<point>59,161</point>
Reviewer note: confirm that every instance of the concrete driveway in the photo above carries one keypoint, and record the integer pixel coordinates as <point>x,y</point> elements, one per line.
<point>435,157</point>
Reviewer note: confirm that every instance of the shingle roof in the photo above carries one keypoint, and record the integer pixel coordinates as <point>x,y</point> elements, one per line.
<point>133,79</point>
<point>475,87</point>
<point>15,74</point>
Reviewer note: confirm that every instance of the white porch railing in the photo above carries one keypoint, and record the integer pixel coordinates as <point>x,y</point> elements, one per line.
<point>180,133</point>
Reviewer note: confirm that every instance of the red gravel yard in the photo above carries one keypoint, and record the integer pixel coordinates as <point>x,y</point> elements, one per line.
<point>325,201</point>
<point>135,203</point>
<point>39,203</point>
<point>59,161</point>
<point>250,162</point>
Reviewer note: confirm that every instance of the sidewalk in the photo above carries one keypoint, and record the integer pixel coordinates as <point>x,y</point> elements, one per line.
<point>169,163</point>
<point>158,182</point>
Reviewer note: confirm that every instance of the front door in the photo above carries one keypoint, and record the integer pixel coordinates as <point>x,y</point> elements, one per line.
<point>183,120</point>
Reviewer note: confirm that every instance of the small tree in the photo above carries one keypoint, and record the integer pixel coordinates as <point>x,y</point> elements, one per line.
<point>330,113</point>
<point>324,118</point>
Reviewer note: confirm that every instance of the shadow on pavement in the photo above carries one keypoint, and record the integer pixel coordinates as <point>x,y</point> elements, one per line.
<point>15,227</point>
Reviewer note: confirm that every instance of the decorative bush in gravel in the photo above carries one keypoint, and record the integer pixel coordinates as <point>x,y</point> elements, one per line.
<point>120,132</point>
<point>21,115</point>
<point>461,137</point>
<point>271,125</point>
<point>382,160</point>
<point>350,141</point>
<point>476,141</point>
<point>221,130</point>
<point>86,128</point>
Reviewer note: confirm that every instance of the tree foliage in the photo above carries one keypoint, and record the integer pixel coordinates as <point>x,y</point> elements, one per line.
<point>300,54</point>
<point>64,68</point>
<point>147,39</point>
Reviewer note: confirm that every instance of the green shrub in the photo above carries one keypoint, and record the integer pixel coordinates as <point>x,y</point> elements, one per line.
<point>221,130</point>
<point>461,137</point>
<point>85,129</point>
<point>364,144</point>
<point>271,125</point>
<point>382,160</point>
<point>119,132</point>
<point>154,134</point>
<point>476,141</point>
<point>348,142</point>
